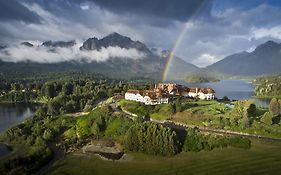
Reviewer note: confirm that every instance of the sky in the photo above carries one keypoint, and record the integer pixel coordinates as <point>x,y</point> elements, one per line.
<point>204,31</point>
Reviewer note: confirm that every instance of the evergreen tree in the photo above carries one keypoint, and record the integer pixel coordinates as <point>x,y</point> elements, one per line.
<point>48,90</point>
<point>274,107</point>
<point>152,139</point>
<point>267,118</point>
<point>245,121</point>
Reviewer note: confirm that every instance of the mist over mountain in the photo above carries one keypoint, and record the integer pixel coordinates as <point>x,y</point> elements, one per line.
<point>111,46</point>
<point>114,40</point>
<point>114,55</point>
<point>28,44</point>
<point>265,59</point>
<point>119,56</point>
<point>59,43</point>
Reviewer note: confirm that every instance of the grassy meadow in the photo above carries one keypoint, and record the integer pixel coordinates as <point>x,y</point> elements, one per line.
<point>261,158</point>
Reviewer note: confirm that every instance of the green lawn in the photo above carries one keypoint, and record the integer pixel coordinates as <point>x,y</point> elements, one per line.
<point>160,116</point>
<point>262,158</point>
<point>135,107</point>
<point>208,107</point>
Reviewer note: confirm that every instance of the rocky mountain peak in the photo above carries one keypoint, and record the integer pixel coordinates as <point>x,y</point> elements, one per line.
<point>27,44</point>
<point>59,43</point>
<point>91,44</point>
<point>116,36</point>
<point>267,47</point>
<point>114,40</point>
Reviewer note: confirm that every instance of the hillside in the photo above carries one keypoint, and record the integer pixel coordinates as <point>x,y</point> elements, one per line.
<point>179,68</point>
<point>265,59</point>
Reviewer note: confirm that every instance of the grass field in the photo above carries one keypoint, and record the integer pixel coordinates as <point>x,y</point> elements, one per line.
<point>262,158</point>
<point>160,116</point>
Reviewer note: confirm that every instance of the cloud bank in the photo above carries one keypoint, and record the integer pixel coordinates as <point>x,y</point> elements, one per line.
<point>43,54</point>
<point>216,28</point>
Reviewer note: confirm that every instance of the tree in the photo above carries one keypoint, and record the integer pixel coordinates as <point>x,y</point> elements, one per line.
<point>54,107</point>
<point>88,107</point>
<point>47,135</point>
<point>245,121</point>
<point>48,90</point>
<point>152,138</point>
<point>110,92</point>
<point>249,111</point>
<point>67,88</point>
<point>95,129</point>
<point>15,86</point>
<point>70,106</point>
<point>41,111</point>
<point>242,112</point>
<point>250,108</point>
<point>267,118</point>
<point>225,98</point>
<point>193,141</point>
<point>274,107</point>
<point>238,111</point>
<point>178,106</point>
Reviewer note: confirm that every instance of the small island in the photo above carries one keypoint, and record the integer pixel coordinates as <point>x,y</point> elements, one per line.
<point>201,79</point>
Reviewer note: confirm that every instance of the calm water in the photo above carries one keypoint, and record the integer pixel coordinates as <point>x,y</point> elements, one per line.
<point>12,114</point>
<point>233,89</point>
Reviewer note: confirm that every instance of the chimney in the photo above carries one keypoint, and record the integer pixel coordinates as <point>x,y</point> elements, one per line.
<point>196,90</point>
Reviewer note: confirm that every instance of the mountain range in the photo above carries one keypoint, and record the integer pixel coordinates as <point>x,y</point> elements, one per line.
<point>265,59</point>
<point>150,65</point>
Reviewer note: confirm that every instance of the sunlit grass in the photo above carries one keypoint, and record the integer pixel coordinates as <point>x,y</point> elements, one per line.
<point>262,158</point>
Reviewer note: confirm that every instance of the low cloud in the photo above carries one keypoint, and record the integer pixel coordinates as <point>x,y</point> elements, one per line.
<point>274,32</point>
<point>205,60</point>
<point>43,54</point>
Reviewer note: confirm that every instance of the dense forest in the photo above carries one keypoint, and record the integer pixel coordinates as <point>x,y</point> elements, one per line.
<point>70,93</point>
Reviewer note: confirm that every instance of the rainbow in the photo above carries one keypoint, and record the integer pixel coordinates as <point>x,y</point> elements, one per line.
<point>178,41</point>
<point>174,48</point>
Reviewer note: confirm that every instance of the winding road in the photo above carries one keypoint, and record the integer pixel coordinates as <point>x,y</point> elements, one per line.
<point>182,126</point>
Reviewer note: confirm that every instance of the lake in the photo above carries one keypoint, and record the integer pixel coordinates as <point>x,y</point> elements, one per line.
<point>12,114</point>
<point>233,89</point>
